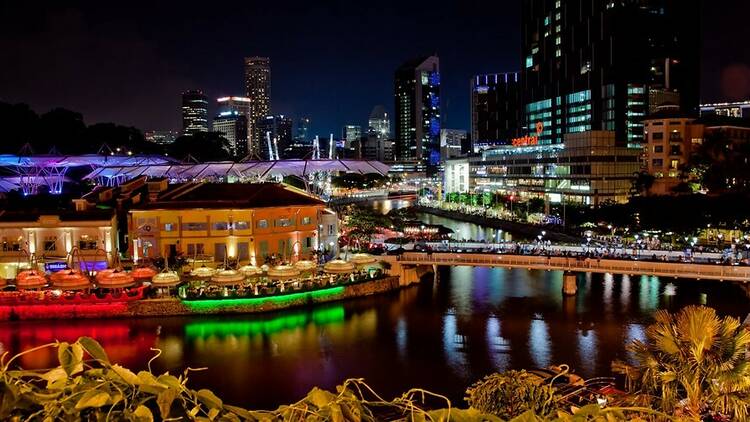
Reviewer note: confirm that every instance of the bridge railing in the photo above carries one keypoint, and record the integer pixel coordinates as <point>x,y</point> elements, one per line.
<point>675,269</point>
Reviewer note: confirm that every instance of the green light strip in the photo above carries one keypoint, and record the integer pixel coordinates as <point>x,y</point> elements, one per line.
<point>213,304</point>
<point>205,329</point>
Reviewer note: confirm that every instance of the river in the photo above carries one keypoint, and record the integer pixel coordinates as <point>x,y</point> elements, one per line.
<point>440,336</point>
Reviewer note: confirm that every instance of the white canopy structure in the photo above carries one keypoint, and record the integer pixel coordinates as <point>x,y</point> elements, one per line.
<point>108,175</point>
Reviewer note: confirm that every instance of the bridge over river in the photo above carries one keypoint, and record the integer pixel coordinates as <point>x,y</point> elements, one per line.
<point>413,264</point>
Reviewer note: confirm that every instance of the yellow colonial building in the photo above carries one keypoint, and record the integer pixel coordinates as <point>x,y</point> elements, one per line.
<point>48,237</point>
<point>247,222</point>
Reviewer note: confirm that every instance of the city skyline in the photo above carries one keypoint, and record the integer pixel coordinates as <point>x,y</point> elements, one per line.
<point>335,85</point>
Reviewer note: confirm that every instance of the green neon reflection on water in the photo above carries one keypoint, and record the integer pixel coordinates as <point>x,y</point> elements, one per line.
<point>322,316</point>
<point>214,304</point>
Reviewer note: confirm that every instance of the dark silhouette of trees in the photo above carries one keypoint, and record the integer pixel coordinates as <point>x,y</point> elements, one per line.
<point>721,164</point>
<point>203,146</point>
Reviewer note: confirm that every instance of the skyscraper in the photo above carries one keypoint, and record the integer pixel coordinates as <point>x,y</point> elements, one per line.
<point>233,126</point>
<point>276,136</point>
<point>495,108</point>
<point>379,125</point>
<point>258,89</point>
<point>302,136</point>
<point>596,65</point>
<point>236,105</point>
<point>451,141</point>
<point>351,134</point>
<point>417,105</point>
<point>194,112</point>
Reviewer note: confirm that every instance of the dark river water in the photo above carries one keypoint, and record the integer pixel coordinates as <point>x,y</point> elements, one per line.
<point>438,335</point>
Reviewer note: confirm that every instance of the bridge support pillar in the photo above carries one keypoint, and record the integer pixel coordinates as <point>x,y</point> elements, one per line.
<point>570,283</point>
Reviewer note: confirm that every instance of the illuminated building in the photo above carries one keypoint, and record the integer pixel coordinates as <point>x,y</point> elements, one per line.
<point>451,142</point>
<point>351,135</point>
<point>50,236</point>
<point>276,137</point>
<point>379,125</point>
<point>671,138</point>
<point>303,136</point>
<point>589,169</point>
<point>739,109</point>
<point>233,126</point>
<point>161,137</point>
<point>596,65</point>
<point>417,105</point>
<point>194,112</point>
<point>495,108</point>
<point>247,222</point>
<point>258,90</point>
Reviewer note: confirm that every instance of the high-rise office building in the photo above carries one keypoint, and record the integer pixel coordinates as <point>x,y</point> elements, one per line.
<point>351,135</point>
<point>233,126</point>
<point>276,136</point>
<point>194,112</point>
<point>417,105</point>
<point>596,65</point>
<point>451,141</point>
<point>258,89</point>
<point>496,112</point>
<point>236,105</point>
<point>379,125</point>
<point>303,137</point>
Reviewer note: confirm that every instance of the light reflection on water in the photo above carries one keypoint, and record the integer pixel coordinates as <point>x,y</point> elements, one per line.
<point>442,337</point>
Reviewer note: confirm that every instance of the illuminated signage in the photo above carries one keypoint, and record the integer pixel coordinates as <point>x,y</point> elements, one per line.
<point>525,141</point>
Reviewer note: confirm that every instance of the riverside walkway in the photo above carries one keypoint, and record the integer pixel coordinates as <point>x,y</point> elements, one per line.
<point>698,271</point>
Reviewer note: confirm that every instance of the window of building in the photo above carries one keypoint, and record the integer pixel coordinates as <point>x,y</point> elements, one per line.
<point>220,225</point>
<point>87,242</point>
<point>195,249</point>
<point>50,244</point>
<point>194,227</point>
<point>241,225</point>
<point>262,224</point>
<point>658,148</point>
<point>675,150</point>
<point>306,221</point>
<point>284,222</point>
<point>263,248</point>
<point>673,164</point>
<point>169,227</point>
<point>220,252</point>
<point>657,136</point>
<point>675,135</point>
<point>243,251</point>
<point>657,162</point>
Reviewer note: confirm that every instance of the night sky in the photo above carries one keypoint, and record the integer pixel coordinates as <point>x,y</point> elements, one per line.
<point>331,60</point>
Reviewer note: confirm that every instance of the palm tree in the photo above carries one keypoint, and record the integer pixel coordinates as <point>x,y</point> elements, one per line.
<point>693,363</point>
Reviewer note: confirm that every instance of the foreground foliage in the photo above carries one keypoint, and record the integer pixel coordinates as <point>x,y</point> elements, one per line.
<point>87,386</point>
<point>692,363</point>
<point>512,394</point>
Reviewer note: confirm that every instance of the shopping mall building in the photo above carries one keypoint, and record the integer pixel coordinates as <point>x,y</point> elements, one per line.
<point>589,168</point>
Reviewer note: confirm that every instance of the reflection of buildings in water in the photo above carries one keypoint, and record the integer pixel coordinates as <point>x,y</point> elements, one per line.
<point>539,343</point>
<point>648,295</point>
<point>123,345</point>
<point>497,346</point>
<point>625,292</point>
<point>402,335</point>
<point>453,346</point>
<point>587,347</point>
<point>609,282</point>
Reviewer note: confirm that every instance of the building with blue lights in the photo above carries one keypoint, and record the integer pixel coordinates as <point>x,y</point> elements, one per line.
<point>417,105</point>
<point>600,65</point>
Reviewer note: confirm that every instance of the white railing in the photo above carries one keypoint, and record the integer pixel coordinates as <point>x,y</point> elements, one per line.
<point>663,269</point>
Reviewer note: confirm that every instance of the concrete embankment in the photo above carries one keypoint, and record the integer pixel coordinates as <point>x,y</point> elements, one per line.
<point>528,231</point>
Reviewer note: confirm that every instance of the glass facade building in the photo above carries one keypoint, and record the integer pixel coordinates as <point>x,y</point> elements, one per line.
<point>597,65</point>
<point>417,105</point>
<point>495,108</point>
<point>194,112</point>
<point>258,89</point>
